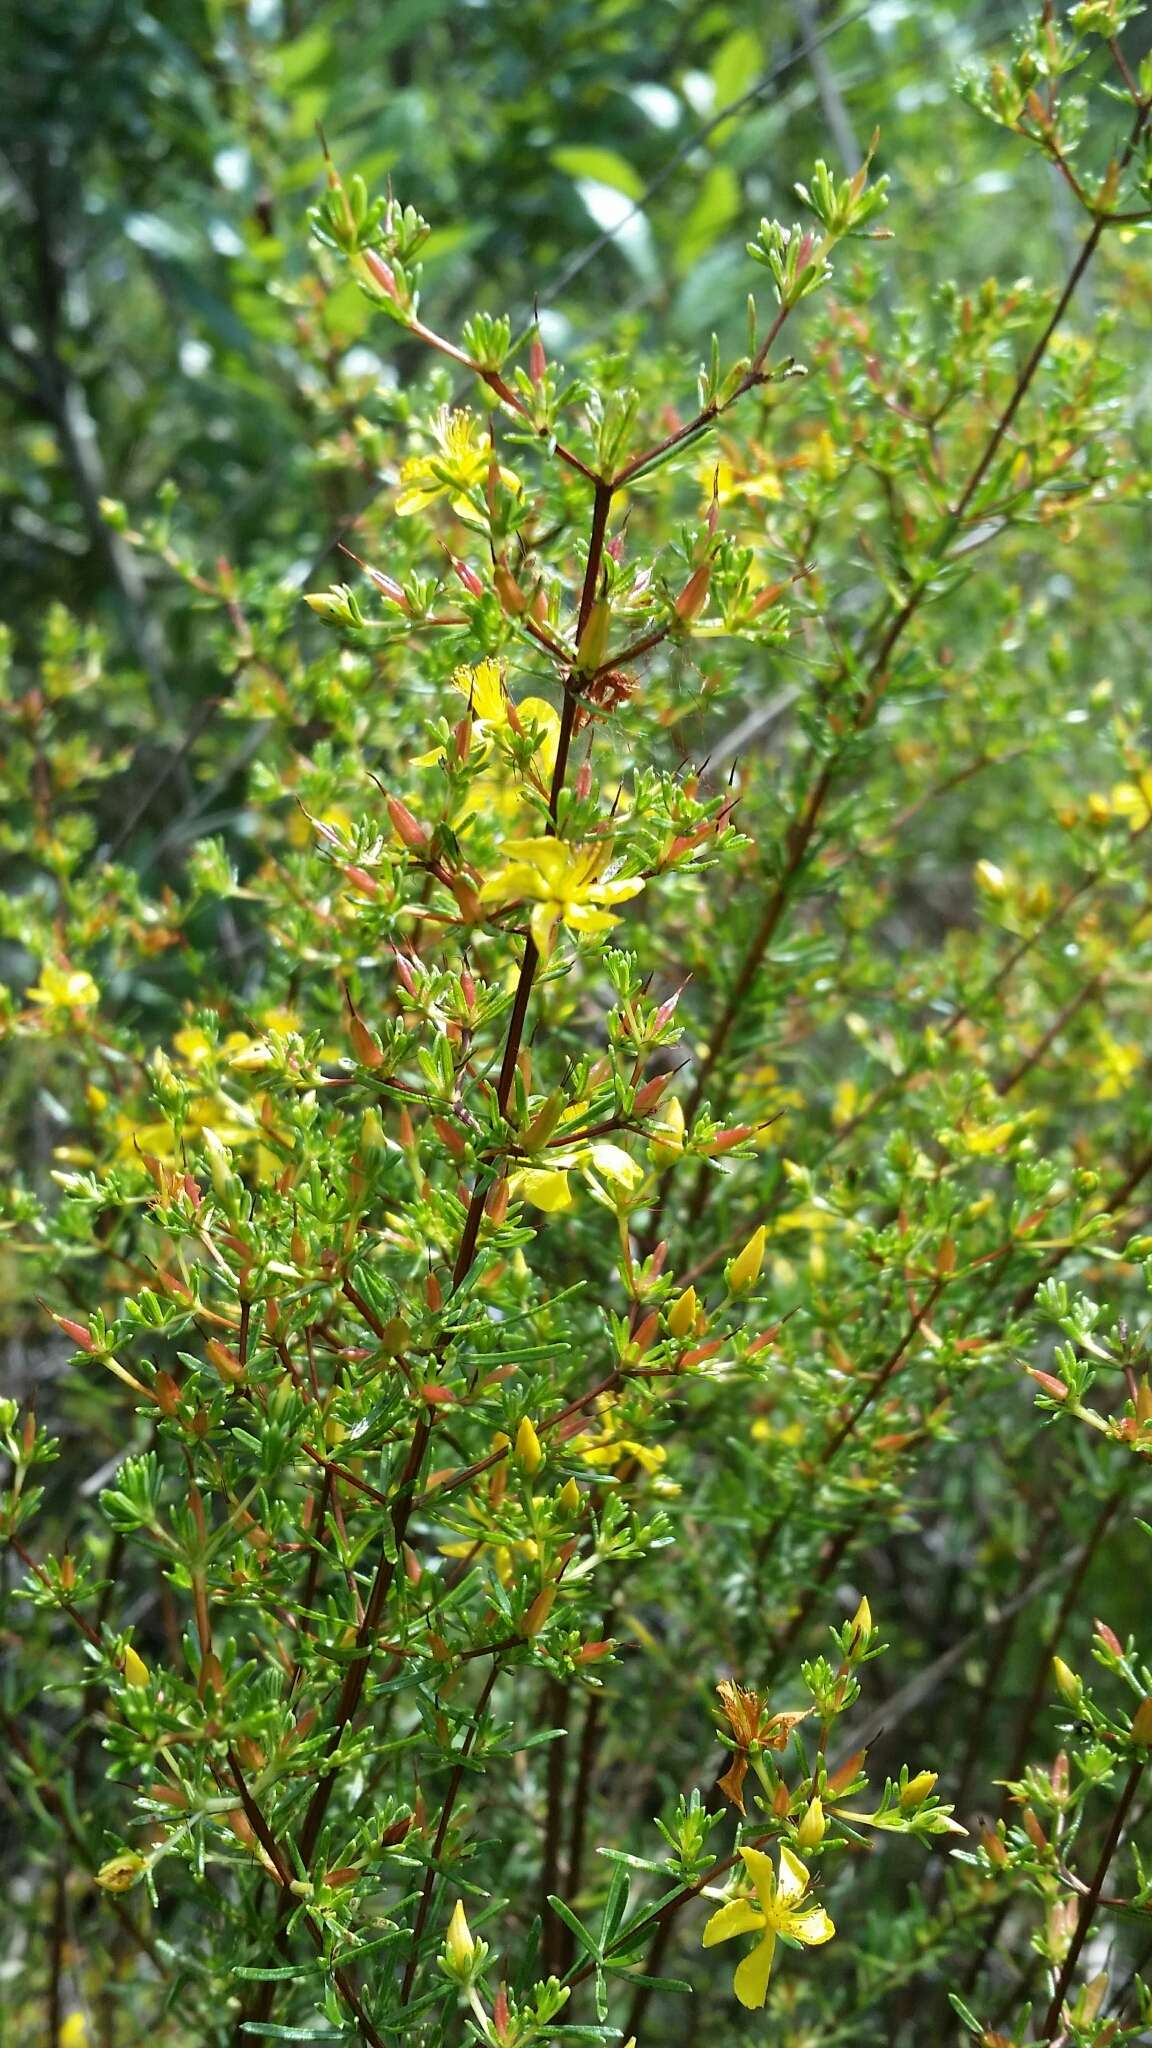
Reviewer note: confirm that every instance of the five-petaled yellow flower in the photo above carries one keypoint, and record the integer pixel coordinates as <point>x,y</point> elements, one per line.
<point>64,988</point>
<point>497,721</point>
<point>564,885</point>
<point>457,469</point>
<point>778,1908</point>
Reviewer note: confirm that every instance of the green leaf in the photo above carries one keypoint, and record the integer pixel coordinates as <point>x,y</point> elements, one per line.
<point>565,1913</point>
<point>603,165</point>
<point>717,204</point>
<point>737,65</point>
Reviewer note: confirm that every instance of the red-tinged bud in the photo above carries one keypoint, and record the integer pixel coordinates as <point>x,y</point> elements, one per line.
<point>78,1332</point>
<point>994,1848</point>
<point>368,1053</point>
<point>645,1333</point>
<point>538,1612</point>
<point>211,1674</point>
<point>615,547</point>
<point>537,360</point>
<point>226,1362</point>
<point>500,2015</point>
<point>539,605</point>
<point>413,1569</point>
<point>583,783</point>
<point>450,1137</point>
<point>848,1771</point>
<point>649,1095</point>
<point>1109,1638</point>
<point>1059,1774</point>
<point>701,1352</point>
<point>462,737</point>
<point>406,1132</point>
<point>727,1141</point>
<point>467,901</point>
<point>408,829</point>
<point>380,273</point>
<point>496,1206</point>
<point>1034,1831</point>
<point>667,1009</point>
<point>656,1262</point>
<point>512,598</point>
<point>192,1190</point>
<point>436,1397</point>
<point>396,1833</point>
<point>694,596</point>
<point>167,1393</point>
<point>362,880</point>
<point>1142,1724</point>
<point>433,1293</point>
<point>591,1653</point>
<point>404,973</point>
<point>468,577</point>
<point>762,1342</point>
<point>1049,1382</point>
<point>67,1571</point>
<point>387,586</point>
<point>468,987</point>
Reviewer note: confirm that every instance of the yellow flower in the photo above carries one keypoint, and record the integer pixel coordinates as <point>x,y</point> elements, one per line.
<point>545,1187</point>
<point>608,1449</point>
<point>564,885</point>
<point>64,988</point>
<point>457,469</point>
<point>496,721</point>
<point>74,2032</point>
<point>1133,800</point>
<point>778,1908</point>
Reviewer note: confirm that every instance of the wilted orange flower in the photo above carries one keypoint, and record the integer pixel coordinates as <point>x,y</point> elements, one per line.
<point>754,1728</point>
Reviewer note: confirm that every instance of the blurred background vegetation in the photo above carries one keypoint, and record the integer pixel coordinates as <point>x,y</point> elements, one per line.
<point>162,328</point>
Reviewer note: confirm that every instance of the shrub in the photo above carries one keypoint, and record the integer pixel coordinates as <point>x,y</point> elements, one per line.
<point>587,1167</point>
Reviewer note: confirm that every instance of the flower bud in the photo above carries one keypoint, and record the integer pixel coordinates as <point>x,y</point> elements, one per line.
<point>512,598</point>
<point>569,1497</point>
<point>468,577</point>
<point>1142,1724</point>
<point>694,596</point>
<point>527,1452</point>
<point>225,1360</point>
<point>682,1314</point>
<point>135,1669</point>
<point>744,1270</point>
<point>408,829</point>
<point>380,273</point>
<point>916,1791</point>
<point>459,1945</point>
<point>862,1626</point>
<point>1068,1685</point>
<point>538,1612</point>
<point>592,646</point>
<point>812,1826</point>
